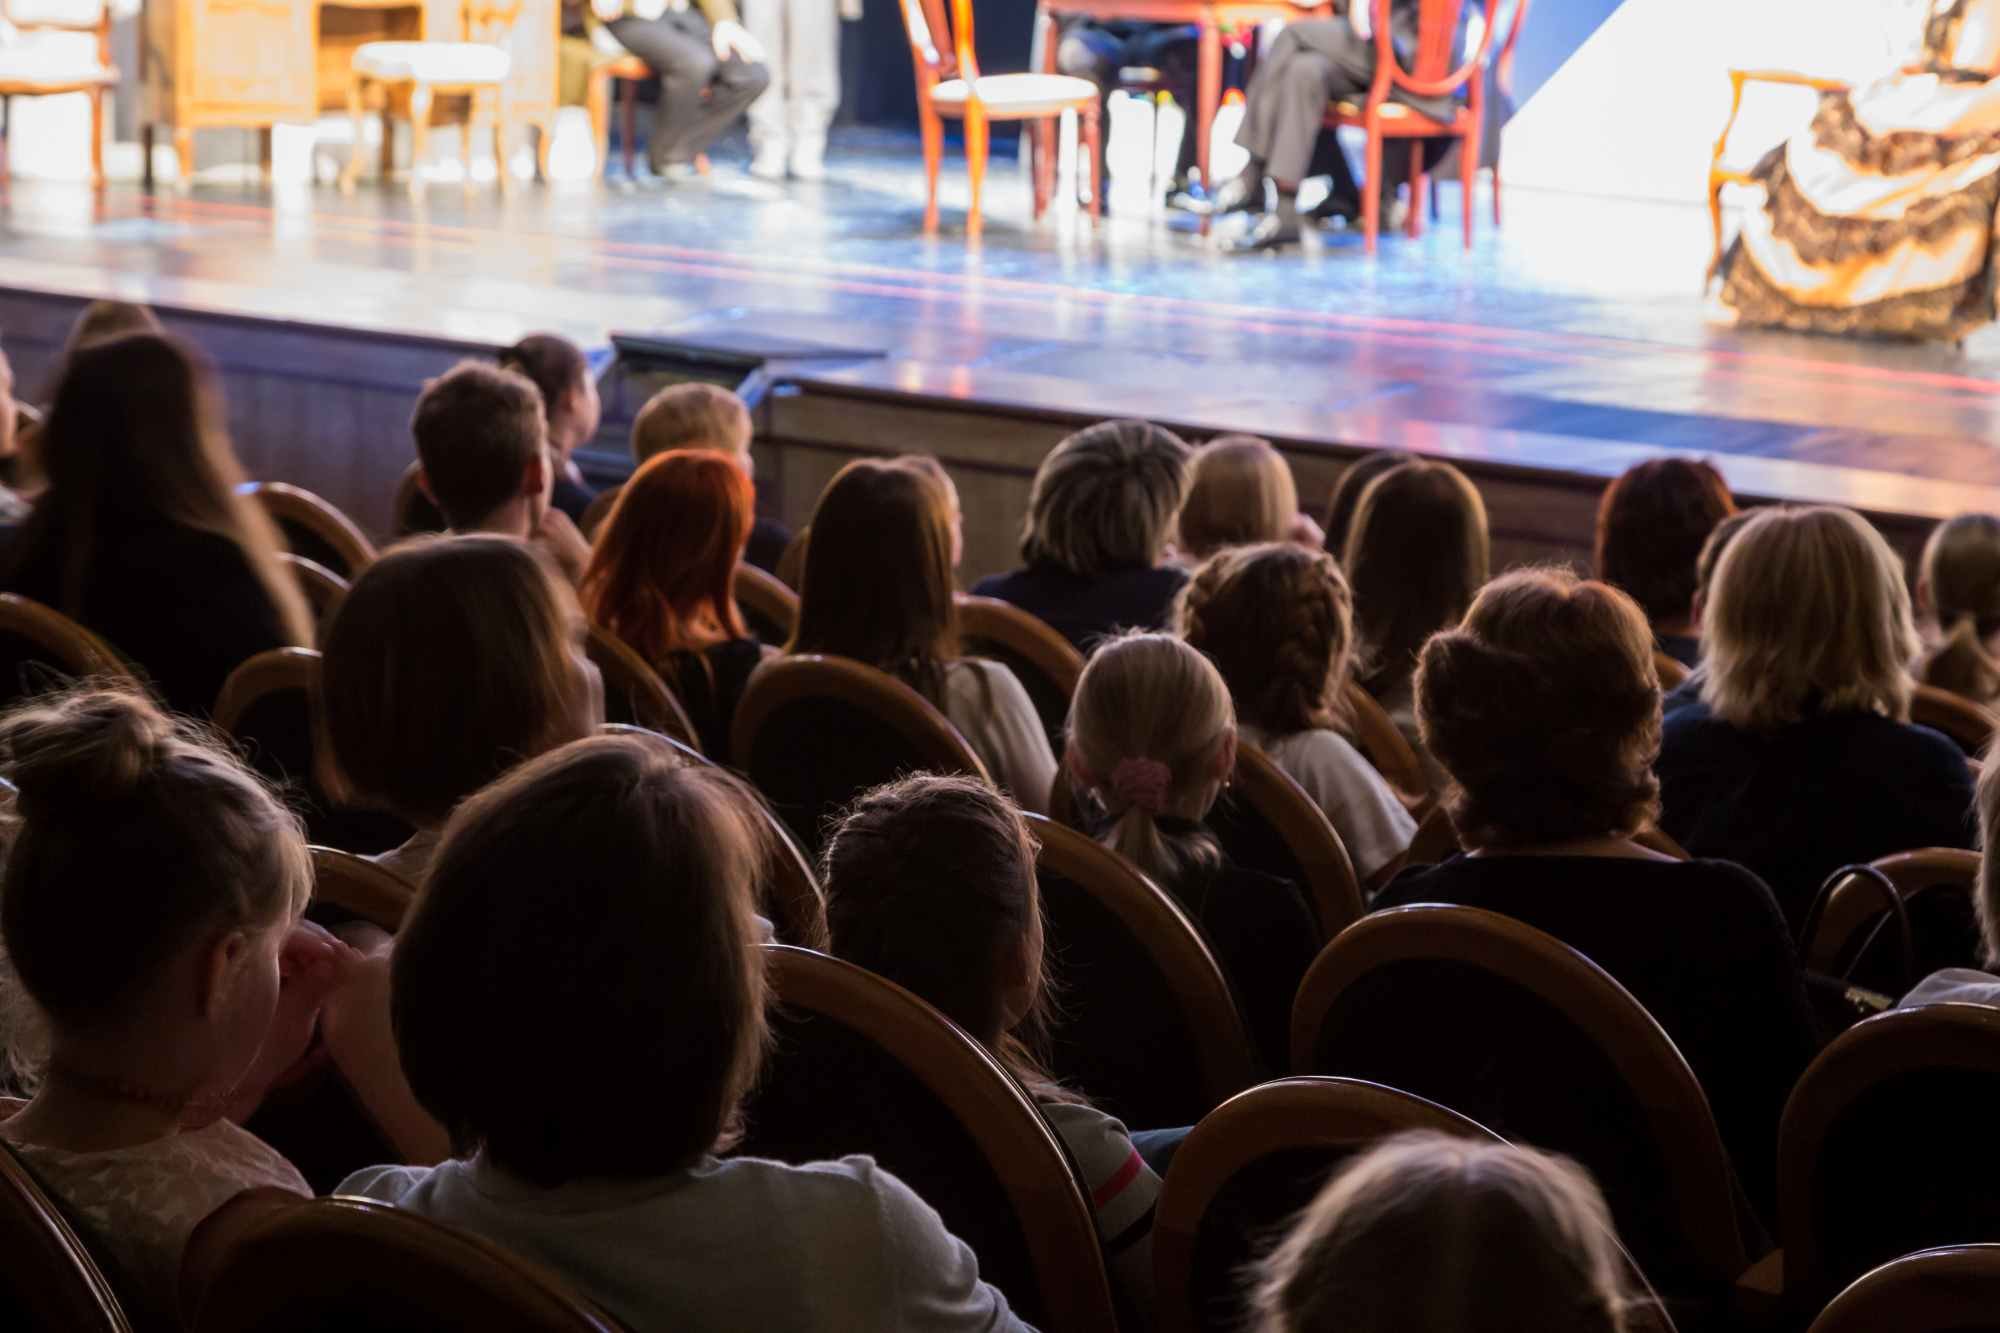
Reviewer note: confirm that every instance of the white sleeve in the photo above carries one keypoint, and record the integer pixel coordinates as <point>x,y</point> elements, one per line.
<point>1373,825</point>
<point>987,702</point>
<point>934,1282</point>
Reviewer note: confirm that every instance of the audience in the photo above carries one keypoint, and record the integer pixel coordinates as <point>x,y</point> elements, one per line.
<point>142,535</point>
<point>1793,754</point>
<point>1416,555</point>
<point>702,416</point>
<point>13,507</point>
<point>482,447</point>
<point>930,882</point>
<point>571,410</point>
<point>1240,492</point>
<point>1958,598</point>
<point>1347,491</point>
<point>878,589</point>
<point>1651,526</point>
<point>1152,742</point>
<point>642,1009</point>
<point>1964,985</point>
<point>1546,792</point>
<point>99,322</point>
<point>1277,622</point>
<point>152,918</point>
<point>1426,1233</point>
<point>662,578</point>
<point>1098,534</point>
<point>450,660</point>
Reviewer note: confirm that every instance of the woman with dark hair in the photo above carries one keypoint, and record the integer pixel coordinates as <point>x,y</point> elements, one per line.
<point>1346,497</point>
<point>1958,600</point>
<point>1651,525</point>
<point>142,535</point>
<point>1544,709</point>
<point>559,369</point>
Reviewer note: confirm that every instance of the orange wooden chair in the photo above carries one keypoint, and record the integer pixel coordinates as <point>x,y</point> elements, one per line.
<point>949,84</point>
<point>1433,76</point>
<point>314,527</point>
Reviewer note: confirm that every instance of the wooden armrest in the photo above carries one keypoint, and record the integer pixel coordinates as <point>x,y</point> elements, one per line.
<point>1790,79</point>
<point>1758,1298</point>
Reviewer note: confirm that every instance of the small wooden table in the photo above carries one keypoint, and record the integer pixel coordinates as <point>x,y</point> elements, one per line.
<point>1210,17</point>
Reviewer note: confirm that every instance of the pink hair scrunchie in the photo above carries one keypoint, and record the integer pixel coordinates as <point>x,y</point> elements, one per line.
<point>1142,784</point>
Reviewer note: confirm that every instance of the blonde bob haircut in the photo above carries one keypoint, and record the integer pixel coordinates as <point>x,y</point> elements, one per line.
<point>1106,498</point>
<point>1426,1233</point>
<point>1240,491</point>
<point>1808,613</point>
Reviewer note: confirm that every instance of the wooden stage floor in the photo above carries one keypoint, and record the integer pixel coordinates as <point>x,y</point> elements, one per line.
<point>1571,338</point>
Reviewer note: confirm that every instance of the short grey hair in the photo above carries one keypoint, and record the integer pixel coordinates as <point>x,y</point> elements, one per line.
<point>1107,498</point>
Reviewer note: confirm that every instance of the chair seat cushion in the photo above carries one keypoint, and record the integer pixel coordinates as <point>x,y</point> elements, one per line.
<point>432,62</point>
<point>29,64</point>
<point>1019,93</point>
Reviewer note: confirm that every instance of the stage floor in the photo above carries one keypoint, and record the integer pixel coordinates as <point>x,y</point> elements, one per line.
<point>1580,324</point>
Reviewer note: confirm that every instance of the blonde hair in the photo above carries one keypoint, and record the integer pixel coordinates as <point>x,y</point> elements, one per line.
<point>1808,613</point>
<point>691,416</point>
<point>1105,499</point>
<point>1149,718</point>
<point>1277,621</point>
<point>1961,575</point>
<point>1240,491</point>
<point>1426,1233</point>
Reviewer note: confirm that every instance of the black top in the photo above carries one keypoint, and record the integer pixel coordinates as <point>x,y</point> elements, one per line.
<point>1683,648</point>
<point>709,684</point>
<point>1797,803</point>
<point>181,604</point>
<point>1700,943</point>
<point>1084,610</point>
<point>768,540</point>
<point>571,497</point>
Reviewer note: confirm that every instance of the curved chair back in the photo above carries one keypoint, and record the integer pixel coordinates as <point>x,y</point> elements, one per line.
<point>1672,671</point>
<point>863,1066</point>
<point>1970,724</point>
<point>313,527</point>
<point>49,1280</point>
<point>1383,745</point>
<point>1951,1290</point>
<point>1147,1024</point>
<point>813,732</point>
<point>344,1263</point>
<point>1044,661</point>
<point>769,608</point>
<point>634,692</point>
<point>42,649</point>
<point>1877,1152</point>
<point>355,886</point>
<point>413,511</point>
<point>1249,1168</point>
<point>1851,936</point>
<point>322,587</point>
<point>1519,1031</point>
<point>1267,823</point>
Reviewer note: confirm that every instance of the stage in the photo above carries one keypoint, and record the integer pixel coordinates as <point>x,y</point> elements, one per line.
<point>1569,342</point>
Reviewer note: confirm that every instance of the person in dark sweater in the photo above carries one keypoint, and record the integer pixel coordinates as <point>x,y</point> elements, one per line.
<point>141,535</point>
<point>1100,524</point>
<point>570,406</point>
<point>1152,741</point>
<point>1792,752</point>
<point>1651,526</point>
<point>1544,709</point>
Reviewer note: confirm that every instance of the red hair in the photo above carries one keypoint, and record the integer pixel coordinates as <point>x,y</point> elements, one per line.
<point>669,551</point>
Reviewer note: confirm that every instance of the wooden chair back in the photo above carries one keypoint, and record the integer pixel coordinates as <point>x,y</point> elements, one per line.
<point>1971,725</point>
<point>1855,934</point>
<point>1672,671</point>
<point>1042,660</point>
<point>634,692</point>
<point>933,51</point>
<point>813,732</point>
<point>1267,823</point>
<point>1875,1155</point>
<point>490,23</point>
<point>344,1263</point>
<point>1507,1025</point>
<point>1383,744</point>
<point>768,606</point>
<point>863,1066</point>
<point>1431,72</point>
<point>1951,1290</point>
<point>42,649</point>
<point>414,512</point>
<point>1147,1024</point>
<point>790,897</point>
<point>1249,1168</point>
<point>313,527</point>
<point>323,588</point>
<point>50,1280</point>
<point>357,887</point>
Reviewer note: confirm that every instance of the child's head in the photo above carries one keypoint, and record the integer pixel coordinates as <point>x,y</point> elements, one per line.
<point>1416,555</point>
<point>1240,490</point>
<point>1651,525</point>
<point>1958,586</point>
<point>450,660</point>
<point>150,881</point>
<point>557,367</point>
<point>662,575</point>
<point>1277,622</point>
<point>693,416</point>
<point>1152,733</point>
<point>878,583</point>
<point>930,882</point>
<point>482,442</point>
<point>592,909</point>
<point>1432,1234</point>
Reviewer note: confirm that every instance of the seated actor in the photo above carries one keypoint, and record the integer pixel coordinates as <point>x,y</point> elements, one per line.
<point>710,71</point>
<point>1099,51</point>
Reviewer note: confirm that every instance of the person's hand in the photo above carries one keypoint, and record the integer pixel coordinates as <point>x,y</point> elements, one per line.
<point>312,964</point>
<point>558,536</point>
<point>1305,531</point>
<point>733,39</point>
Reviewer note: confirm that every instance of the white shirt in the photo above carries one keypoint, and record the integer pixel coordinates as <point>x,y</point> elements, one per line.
<point>1372,824</point>
<point>991,709</point>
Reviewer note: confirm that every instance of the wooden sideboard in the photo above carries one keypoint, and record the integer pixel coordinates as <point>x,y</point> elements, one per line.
<point>252,64</point>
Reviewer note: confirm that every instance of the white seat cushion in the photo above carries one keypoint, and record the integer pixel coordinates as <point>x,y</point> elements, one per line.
<point>29,62</point>
<point>1019,93</point>
<point>432,62</point>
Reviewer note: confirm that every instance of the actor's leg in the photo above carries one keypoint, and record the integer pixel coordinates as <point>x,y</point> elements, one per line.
<point>771,23</point>
<point>814,80</point>
<point>685,64</point>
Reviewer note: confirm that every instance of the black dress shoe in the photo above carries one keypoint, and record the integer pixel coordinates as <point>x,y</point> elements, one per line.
<point>1271,234</point>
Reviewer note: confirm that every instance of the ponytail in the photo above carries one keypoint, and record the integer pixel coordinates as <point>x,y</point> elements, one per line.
<point>1961,663</point>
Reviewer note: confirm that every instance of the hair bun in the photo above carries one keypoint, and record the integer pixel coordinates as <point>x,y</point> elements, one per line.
<point>91,746</point>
